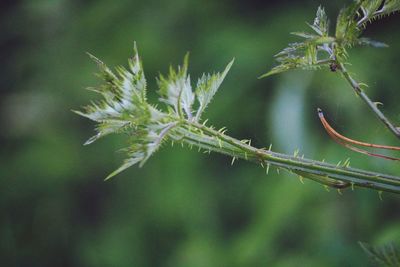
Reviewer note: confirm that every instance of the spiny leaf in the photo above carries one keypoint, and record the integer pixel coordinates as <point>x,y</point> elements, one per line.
<point>369,42</point>
<point>305,55</point>
<point>124,98</point>
<point>107,127</point>
<point>390,6</point>
<point>144,143</point>
<point>321,24</point>
<point>176,91</point>
<point>206,88</point>
<point>370,7</point>
<point>296,56</point>
<point>347,30</point>
<point>305,35</point>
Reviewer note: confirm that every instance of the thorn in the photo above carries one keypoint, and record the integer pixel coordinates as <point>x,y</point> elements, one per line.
<point>267,170</point>
<point>172,144</point>
<point>323,160</point>
<point>296,153</point>
<point>377,104</point>
<point>301,179</point>
<point>346,163</point>
<point>270,146</point>
<point>204,122</point>
<point>337,165</point>
<point>262,164</point>
<point>245,155</point>
<point>182,144</point>
<point>277,171</point>
<point>352,186</point>
<point>219,143</point>
<point>380,195</point>
<point>246,141</point>
<point>222,129</point>
<point>302,156</point>
<point>339,191</point>
<point>198,150</point>
<point>326,188</point>
<point>233,160</point>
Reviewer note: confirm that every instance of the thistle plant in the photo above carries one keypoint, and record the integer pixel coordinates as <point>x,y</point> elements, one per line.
<point>319,49</point>
<point>125,109</point>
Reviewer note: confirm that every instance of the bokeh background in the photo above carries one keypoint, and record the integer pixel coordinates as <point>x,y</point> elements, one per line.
<point>184,208</point>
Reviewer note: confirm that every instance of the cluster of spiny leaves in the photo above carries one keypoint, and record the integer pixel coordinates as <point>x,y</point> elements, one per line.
<point>319,48</point>
<point>125,109</point>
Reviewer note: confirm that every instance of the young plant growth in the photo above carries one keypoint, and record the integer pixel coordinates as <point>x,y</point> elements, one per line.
<point>321,49</point>
<point>125,108</point>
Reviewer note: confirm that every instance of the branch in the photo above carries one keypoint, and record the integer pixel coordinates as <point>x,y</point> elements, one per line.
<point>372,105</point>
<point>337,176</point>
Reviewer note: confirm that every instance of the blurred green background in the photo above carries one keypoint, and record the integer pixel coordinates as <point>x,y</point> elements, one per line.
<point>184,208</point>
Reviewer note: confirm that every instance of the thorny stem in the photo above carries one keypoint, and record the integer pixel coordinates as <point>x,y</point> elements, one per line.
<point>357,89</point>
<point>337,176</point>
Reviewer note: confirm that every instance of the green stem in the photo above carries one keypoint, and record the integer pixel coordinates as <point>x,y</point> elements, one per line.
<point>337,176</point>
<point>357,89</point>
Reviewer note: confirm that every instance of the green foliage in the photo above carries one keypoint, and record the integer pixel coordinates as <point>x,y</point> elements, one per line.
<point>206,88</point>
<point>309,54</point>
<point>176,91</point>
<point>182,208</point>
<point>347,30</point>
<point>389,6</point>
<point>320,49</point>
<point>387,255</point>
<point>331,51</point>
<point>125,109</point>
<point>373,9</point>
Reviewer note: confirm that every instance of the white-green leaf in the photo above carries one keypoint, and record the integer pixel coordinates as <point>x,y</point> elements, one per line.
<point>124,98</point>
<point>373,43</point>
<point>321,24</point>
<point>107,127</point>
<point>145,143</point>
<point>305,35</point>
<point>176,91</point>
<point>206,88</point>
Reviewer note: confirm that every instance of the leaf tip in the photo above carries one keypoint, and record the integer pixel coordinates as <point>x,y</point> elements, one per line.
<point>80,113</point>
<point>265,75</point>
